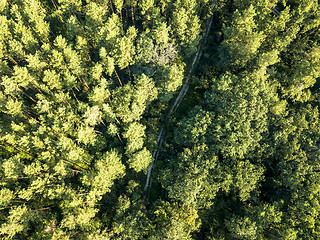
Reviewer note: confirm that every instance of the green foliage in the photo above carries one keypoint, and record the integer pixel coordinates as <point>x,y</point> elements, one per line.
<point>131,215</point>
<point>84,89</point>
<point>247,152</point>
<point>74,112</point>
<point>241,39</point>
<point>140,160</point>
<point>241,228</point>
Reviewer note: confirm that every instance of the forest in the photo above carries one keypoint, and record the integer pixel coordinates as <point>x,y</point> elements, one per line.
<point>159,119</point>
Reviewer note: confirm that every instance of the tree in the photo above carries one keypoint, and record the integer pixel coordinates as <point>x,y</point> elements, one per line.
<point>241,39</point>
<point>174,222</point>
<point>124,52</point>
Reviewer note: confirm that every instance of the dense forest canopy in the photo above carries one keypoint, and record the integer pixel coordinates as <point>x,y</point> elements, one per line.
<point>91,148</point>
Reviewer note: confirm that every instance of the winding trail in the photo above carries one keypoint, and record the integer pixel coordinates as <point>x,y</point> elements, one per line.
<point>176,103</point>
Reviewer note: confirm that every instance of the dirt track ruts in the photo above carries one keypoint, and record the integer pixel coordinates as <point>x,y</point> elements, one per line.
<point>177,102</point>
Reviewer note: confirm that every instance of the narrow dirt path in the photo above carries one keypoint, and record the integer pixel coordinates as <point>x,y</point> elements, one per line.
<point>176,104</point>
